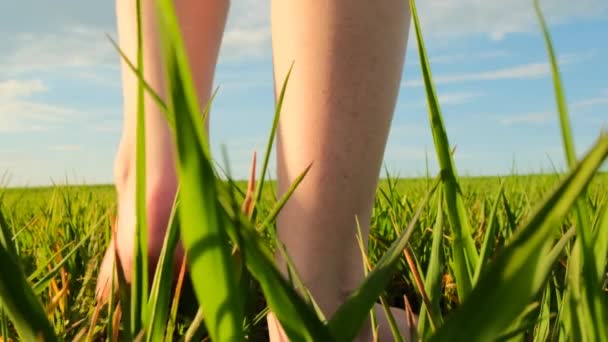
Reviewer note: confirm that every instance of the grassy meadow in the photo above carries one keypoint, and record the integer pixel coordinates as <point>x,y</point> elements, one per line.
<point>520,257</point>
<point>51,224</point>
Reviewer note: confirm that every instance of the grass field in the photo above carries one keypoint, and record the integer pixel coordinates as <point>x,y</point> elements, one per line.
<point>478,259</point>
<point>52,219</point>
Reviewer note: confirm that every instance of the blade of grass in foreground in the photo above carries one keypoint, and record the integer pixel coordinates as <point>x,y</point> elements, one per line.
<point>589,303</point>
<point>463,246</point>
<point>430,322</point>
<point>4,325</point>
<point>139,283</point>
<point>541,331</point>
<point>6,240</point>
<point>348,319</point>
<point>160,295</point>
<point>147,87</point>
<point>367,267</point>
<point>520,271</point>
<point>488,240</point>
<point>17,298</point>
<point>297,318</point>
<point>275,122</point>
<point>201,222</point>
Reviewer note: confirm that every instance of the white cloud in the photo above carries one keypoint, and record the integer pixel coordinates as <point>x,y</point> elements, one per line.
<point>532,70</point>
<point>457,98</point>
<point>409,130</point>
<point>247,33</point>
<point>528,118</point>
<point>72,47</point>
<point>12,89</point>
<point>22,116</point>
<point>496,19</point>
<point>593,101</point>
<point>108,126</point>
<point>409,153</point>
<point>65,148</point>
<point>448,99</point>
<point>452,58</point>
<point>248,30</point>
<point>240,43</point>
<point>18,113</point>
<point>524,71</point>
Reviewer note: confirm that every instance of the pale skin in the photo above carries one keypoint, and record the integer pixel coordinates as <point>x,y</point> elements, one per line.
<point>348,57</point>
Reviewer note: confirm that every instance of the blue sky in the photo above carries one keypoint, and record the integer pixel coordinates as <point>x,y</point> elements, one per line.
<point>60,97</point>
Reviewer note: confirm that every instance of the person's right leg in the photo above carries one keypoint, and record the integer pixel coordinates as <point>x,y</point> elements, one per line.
<point>202,25</point>
<point>348,57</point>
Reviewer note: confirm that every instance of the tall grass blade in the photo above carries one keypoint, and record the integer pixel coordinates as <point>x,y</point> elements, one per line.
<point>583,265</point>
<point>6,237</point>
<point>298,319</point>
<point>160,294</point>
<point>367,267</point>
<point>430,317</point>
<point>196,328</point>
<point>390,318</point>
<point>147,87</point>
<point>271,138</point>
<point>541,333</point>
<point>139,283</point>
<point>4,325</point>
<point>43,282</point>
<point>348,319</point>
<point>171,324</point>
<point>562,107</point>
<point>276,209</point>
<point>201,221</point>
<point>17,298</point>
<point>601,244</point>
<point>463,246</point>
<point>488,240</point>
<point>521,269</point>
<point>123,293</point>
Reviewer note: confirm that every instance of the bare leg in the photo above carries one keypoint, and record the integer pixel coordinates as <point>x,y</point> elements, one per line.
<point>338,107</point>
<point>202,24</point>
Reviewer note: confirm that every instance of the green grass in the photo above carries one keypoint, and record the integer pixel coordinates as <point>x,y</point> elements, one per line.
<point>520,257</point>
<point>50,219</point>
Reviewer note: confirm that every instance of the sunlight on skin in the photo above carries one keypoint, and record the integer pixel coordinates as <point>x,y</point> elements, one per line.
<point>202,24</point>
<point>337,114</point>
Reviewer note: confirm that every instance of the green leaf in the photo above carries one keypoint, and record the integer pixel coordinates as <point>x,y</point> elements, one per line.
<point>139,283</point>
<point>17,298</point>
<point>463,246</point>
<point>258,191</point>
<point>347,321</point>
<point>582,267</point>
<point>430,318</point>
<point>487,248</point>
<point>298,319</point>
<point>147,87</point>
<point>43,282</point>
<point>601,243</point>
<point>520,270</point>
<point>203,227</point>
<point>160,295</point>
<point>541,333</point>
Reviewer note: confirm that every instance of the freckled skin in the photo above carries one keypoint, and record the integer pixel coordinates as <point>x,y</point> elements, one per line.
<point>336,115</point>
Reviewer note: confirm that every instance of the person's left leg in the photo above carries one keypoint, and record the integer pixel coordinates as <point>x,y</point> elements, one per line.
<point>202,25</point>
